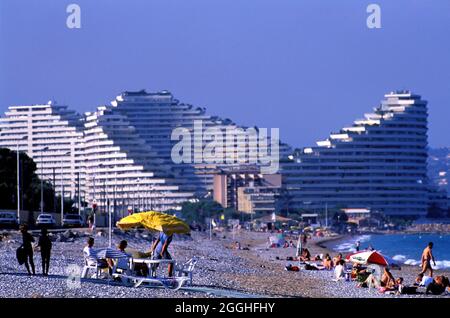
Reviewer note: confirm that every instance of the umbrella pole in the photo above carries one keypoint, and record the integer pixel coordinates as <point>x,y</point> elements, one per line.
<point>110,227</point>
<point>210,229</point>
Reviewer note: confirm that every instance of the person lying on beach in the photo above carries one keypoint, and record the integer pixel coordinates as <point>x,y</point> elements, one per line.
<point>291,268</point>
<point>387,282</point>
<point>327,262</point>
<point>423,280</point>
<point>438,285</point>
<point>317,257</point>
<point>368,279</point>
<point>397,287</point>
<point>313,267</point>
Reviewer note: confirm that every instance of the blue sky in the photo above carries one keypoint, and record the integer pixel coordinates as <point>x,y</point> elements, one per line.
<point>308,67</point>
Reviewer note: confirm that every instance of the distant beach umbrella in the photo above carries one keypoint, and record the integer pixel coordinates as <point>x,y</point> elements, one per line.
<point>372,257</point>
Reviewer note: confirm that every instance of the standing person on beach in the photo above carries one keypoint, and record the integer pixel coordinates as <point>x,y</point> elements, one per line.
<point>427,257</point>
<point>46,246</point>
<point>160,251</point>
<point>358,245</point>
<point>27,241</point>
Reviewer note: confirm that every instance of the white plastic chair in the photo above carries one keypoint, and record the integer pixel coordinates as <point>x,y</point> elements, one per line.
<point>92,263</point>
<point>187,269</point>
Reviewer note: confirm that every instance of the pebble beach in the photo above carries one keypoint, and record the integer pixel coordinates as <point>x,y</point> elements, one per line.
<point>222,271</point>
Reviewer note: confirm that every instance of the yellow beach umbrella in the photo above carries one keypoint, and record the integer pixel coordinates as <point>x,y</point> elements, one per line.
<point>154,221</point>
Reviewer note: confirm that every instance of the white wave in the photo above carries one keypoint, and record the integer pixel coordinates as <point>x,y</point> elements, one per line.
<point>412,262</point>
<point>442,264</point>
<point>345,247</point>
<point>364,238</point>
<point>350,245</point>
<point>399,258</point>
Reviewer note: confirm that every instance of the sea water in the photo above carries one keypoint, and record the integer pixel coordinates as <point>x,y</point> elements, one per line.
<point>404,248</point>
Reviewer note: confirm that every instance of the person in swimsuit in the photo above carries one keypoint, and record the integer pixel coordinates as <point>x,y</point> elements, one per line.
<point>427,257</point>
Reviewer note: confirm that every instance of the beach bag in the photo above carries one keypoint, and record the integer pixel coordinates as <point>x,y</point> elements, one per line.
<point>21,255</point>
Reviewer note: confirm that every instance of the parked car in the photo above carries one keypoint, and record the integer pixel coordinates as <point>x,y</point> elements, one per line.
<point>72,220</point>
<point>45,220</point>
<point>8,220</point>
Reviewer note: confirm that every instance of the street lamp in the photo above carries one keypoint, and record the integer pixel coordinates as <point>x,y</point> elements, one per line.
<point>42,179</point>
<point>62,187</point>
<point>101,165</point>
<point>93,198</point>
<point>78,193</point>
<point>151,197</point>
<point>18,177</point>
<point>138,196</point>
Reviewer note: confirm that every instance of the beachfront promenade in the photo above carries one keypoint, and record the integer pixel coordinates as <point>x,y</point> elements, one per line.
<point>222,271</point>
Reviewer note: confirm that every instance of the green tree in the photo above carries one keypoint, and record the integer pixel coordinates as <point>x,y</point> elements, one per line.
<point>198,211</point>
<point>30,183</point>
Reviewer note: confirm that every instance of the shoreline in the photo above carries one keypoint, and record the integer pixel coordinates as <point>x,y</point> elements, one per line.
<point>273,280</point>
<point>326,245</point>
<point>254,270</point>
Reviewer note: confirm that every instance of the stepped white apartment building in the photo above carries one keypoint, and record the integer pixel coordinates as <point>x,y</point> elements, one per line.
<point>155,115</point>
<point>121,152</point>
<point>380,162</point>
<point>100,152</point>
<point>122,155</point>
<point>120,167</point>
<point>52,135</point>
